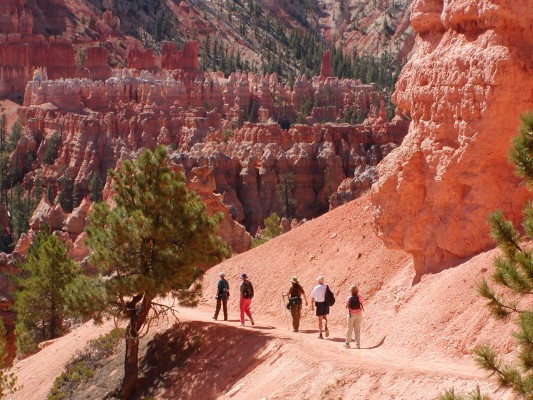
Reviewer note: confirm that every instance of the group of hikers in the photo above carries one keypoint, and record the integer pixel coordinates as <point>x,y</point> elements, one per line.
<point>321,298</point>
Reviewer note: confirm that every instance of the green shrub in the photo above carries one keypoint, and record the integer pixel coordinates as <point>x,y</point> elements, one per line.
<point>84,365</point>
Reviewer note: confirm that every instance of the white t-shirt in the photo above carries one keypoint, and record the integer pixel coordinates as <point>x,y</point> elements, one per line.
<point>319,293</point>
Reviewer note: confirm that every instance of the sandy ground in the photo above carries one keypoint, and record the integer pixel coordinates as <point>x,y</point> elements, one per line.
<point>416,339</point>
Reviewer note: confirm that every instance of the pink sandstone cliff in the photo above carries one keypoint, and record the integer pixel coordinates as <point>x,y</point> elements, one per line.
<point>465,86</point>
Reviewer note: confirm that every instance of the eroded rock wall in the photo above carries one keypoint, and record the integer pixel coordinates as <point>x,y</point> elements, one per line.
<point>201,117</point>
<point>468,81</point>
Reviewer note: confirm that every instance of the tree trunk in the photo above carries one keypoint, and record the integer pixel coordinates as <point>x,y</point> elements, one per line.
<point>131,358</point>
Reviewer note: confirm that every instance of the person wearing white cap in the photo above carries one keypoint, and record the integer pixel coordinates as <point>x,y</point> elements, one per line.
<point>318,296</point>
<point>222,296</point>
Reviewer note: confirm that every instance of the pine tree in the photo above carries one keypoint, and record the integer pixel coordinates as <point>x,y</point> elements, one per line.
<point>285,188</point>
<point>272,226</point>
<point>42,299</point>
<point>19,208</point>
<point>14,137</point>
<point>3,131</point>
<point>96,187</point>
<point>156,240</point>
<point>272,230</point>
<point>513,273</point>
<point>52,148</point>
<point>65,193</point>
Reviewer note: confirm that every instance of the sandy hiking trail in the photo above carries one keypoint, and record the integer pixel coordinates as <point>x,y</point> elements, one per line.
<point>289,362</point>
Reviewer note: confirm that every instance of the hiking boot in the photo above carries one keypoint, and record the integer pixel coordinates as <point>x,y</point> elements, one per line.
<point>295,330</point>
<point>242,323</point>
<point>347,345</point>
<point>320,336</point>
<point>358,346</point>
<point>326,331</point>
<point>252,322</point>
<point>215,318</point>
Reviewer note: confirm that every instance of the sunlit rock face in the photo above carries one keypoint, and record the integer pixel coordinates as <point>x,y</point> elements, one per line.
<point>468,81</point>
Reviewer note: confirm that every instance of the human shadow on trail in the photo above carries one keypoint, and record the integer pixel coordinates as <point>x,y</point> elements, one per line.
<point>339,340</point>
<point>198,360</point>
<point>262,327</point>
<point>308,330</point>
<point>376,345</point>
<point>342,340</point>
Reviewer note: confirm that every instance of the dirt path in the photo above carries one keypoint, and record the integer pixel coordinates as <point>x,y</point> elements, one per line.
<point>289,363</point>
<point>326,368</point>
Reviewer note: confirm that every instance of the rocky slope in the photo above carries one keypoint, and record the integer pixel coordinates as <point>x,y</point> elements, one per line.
<point>437,190</point>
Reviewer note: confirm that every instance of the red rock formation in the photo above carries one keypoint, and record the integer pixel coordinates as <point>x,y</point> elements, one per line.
<point>104,122</point>
<point>96,63</point>
<point>437,189</point>
<point>12,16</point>
<point>184,59</point>
<point>326,69</point>
<point>23,47</point>
<point>231,231</point>
<point>141,58</point>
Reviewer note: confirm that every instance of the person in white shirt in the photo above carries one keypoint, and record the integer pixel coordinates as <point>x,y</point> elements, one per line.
<point>318,299</point>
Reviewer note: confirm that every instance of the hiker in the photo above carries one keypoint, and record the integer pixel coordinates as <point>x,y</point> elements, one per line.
<point>354,305</point>
<point>318,294</point>
<point>222,296</point>
<point>295,294</point>
<point>247,294</point>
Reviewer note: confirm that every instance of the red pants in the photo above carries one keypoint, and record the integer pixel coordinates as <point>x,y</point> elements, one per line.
<point>245,309</point>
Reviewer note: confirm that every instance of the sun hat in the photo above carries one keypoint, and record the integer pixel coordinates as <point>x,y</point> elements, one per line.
<point>244,276</point>
<point>294,279</point>
<point>221,273</point>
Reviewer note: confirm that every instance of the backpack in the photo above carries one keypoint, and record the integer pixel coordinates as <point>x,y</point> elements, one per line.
<point>248,290</point>
<point>354,304</point>
<point>330,298</point>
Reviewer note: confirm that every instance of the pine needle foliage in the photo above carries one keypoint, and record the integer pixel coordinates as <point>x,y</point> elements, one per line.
<point>514,276</point>
<point>272,230</point>
<point>156,240</point>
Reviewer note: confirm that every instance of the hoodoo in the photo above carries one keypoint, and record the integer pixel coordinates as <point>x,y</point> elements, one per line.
<point>465,87</point>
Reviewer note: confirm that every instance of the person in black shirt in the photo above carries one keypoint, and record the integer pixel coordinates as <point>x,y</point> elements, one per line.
<point>222,296</point>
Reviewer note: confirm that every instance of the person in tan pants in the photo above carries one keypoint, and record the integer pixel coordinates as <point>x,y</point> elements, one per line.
<point>295,294</point>
<point>354,305</point>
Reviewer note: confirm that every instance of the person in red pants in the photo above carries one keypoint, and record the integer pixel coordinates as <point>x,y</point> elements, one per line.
<point>247,294</point>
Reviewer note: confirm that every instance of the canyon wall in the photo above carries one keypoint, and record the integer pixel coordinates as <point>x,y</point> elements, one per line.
<point>467,83</point>
<point>255,133</point>
<point>27,42</point>
<point>45,35</point>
